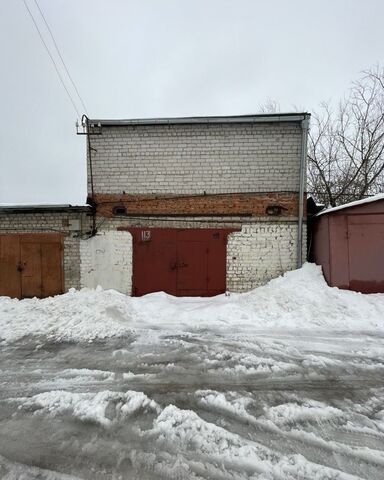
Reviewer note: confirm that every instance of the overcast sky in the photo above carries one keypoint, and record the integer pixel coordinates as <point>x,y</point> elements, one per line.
<point>160,58</point>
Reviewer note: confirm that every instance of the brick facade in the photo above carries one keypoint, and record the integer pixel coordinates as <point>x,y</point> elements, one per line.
<point>259,252</point>
<point>263,249</point>
<point>253,204</point>
<point>205,175</point>
<point>196,158</point>
<point>182,173</point>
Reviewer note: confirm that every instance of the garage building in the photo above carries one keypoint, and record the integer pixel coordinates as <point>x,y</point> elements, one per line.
<point>40,248</point>
<point>195,206</point>
<point>348,242</point>
<point>190,206</point>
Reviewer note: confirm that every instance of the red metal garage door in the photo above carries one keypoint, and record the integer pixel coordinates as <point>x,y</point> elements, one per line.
<point>190,262</point>
<point>31,265</point>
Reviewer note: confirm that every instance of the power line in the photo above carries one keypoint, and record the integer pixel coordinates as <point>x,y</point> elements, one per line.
<point>52,59</point>
<point>61,57</point>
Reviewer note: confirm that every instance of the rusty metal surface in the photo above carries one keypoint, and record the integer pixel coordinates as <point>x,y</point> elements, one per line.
<point>10,280</point>
<point>31,265</point>
<point>181,262</point>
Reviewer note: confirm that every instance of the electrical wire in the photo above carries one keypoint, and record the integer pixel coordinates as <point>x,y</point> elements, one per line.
<point>52,59</point>
<point>61,57</point>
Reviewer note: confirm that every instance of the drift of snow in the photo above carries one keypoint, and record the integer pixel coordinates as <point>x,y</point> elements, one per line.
<point>299,299</point>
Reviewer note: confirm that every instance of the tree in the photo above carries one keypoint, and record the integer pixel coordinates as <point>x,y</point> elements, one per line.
<point>346,146</point>
<point>269,106</point>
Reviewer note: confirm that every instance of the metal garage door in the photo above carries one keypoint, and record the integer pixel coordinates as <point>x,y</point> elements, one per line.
<point>31,265</point>
<point>366,253</point>
<point>182,262</point>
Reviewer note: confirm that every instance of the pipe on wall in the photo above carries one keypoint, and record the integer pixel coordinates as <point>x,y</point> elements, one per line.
<point>303,164</point>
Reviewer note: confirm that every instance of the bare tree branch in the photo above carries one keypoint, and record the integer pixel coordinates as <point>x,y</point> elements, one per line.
<point>346,146</point>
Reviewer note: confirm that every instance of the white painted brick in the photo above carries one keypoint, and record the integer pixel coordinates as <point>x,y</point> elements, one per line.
<point>106,260</point>
<point>260,252</point>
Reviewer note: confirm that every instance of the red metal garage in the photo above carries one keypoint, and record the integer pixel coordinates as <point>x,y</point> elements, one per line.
<point>348,242</point>
<point>181,262</point>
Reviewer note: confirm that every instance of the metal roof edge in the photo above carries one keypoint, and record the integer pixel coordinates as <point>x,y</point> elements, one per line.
<point>257,118</point>
<point>375,198</point>
<point>43,208</point>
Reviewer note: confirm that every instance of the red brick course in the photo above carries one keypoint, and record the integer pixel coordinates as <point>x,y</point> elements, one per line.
<point>253,204</point>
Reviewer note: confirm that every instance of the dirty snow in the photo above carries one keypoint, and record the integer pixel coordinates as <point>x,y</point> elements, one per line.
<point>284,382</point>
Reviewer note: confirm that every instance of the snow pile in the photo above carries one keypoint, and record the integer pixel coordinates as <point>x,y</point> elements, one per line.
<point>300,299</point>
<point>103,407</point>
<point>75,316</point>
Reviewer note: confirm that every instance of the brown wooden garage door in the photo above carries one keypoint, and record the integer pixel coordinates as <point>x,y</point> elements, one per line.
<point>182,262</point>
<point>31,265</point>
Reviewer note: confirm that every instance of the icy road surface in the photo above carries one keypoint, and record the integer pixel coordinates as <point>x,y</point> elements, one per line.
<point>282,383</point>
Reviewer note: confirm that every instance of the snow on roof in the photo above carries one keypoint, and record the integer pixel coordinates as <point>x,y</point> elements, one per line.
<point>374,198</point>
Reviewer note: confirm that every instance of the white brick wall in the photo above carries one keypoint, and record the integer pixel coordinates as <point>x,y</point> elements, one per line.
<point>260,252</point>
<point>192,159</point>
<point>106,260</point>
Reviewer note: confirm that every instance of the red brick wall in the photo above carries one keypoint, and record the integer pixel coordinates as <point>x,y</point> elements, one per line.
<point>254,204</point>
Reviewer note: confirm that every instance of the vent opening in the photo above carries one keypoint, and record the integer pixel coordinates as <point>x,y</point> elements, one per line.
<point>119,210</point>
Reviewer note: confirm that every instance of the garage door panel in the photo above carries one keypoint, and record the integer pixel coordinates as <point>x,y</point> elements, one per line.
<point>192,267</point>
<point>182,262</point>
<point>31,281</point>
<point>31,265</point>
<point>51,271</point>
<point>154,259</point>
<point>10,284</point>
<point>366,258</point>
<point>155,268</point>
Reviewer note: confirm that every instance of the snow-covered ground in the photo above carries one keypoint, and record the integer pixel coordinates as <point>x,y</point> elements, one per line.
<point>285,382</point>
